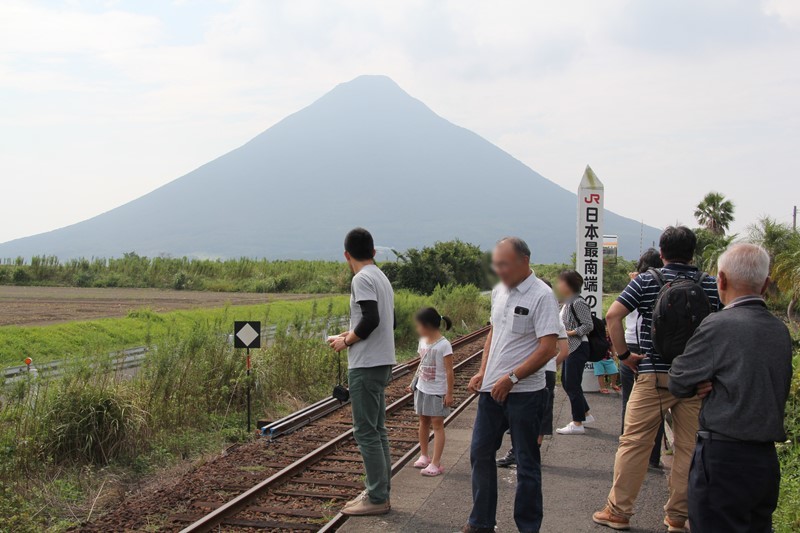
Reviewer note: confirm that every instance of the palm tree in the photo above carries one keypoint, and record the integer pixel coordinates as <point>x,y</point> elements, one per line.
<point>786,272</point>
<point>715,212</point>
<point>710,254</point>
<point>771,235</point>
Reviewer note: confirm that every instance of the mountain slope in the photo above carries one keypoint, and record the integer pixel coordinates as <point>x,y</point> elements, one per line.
<point>366,153</point>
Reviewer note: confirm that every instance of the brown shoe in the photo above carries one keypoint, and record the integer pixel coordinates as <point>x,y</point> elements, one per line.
<point>362,506</point>
<point>472,529</point>
<point>675,525</point>
<point>609,519</point>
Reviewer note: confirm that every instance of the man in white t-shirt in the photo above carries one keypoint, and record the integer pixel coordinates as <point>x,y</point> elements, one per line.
<point>371,355</point>
<point>511,383</point>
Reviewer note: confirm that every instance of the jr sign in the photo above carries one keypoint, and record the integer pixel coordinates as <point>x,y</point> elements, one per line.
<point>589,255</point>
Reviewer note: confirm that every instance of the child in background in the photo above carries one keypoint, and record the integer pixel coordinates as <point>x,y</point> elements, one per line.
<point>607,367</point>
<point>432,387</point>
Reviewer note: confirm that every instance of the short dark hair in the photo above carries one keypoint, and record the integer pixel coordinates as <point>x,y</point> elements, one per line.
<point>359,244</point>
<point>429,316</point>
<point>573,280</point>
<point>650,259</point>
<point>678,243</point>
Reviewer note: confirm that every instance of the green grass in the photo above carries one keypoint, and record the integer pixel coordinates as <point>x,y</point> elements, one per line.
<point>144,327</point>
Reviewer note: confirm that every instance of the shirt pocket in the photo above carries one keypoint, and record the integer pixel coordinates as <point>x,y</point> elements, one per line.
<point>521,324</point>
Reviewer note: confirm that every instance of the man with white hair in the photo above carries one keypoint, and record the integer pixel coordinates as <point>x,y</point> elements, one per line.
<point>740,361</point>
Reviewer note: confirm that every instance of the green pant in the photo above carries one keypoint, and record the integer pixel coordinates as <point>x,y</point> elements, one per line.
<point>368,400</point>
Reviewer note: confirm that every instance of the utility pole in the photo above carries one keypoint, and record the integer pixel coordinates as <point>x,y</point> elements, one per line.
<point>794,219</point>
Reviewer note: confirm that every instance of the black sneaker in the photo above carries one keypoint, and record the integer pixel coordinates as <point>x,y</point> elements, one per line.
<point>509,460</point>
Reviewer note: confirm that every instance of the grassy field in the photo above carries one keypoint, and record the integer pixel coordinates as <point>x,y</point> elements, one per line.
<point>143,327</point>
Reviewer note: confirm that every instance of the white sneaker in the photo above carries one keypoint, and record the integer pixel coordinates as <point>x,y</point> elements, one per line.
<point>571,429</point>
<point>589,420</point>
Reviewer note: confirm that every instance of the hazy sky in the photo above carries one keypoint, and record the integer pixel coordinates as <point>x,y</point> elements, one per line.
<point>103,101</point>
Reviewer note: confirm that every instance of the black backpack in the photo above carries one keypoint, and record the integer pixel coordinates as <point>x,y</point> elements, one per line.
<point>680,306</point>
<point>598,340</point>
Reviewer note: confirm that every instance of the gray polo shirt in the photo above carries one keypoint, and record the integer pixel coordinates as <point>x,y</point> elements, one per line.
<point>377,349</point>
<point>520,316</point>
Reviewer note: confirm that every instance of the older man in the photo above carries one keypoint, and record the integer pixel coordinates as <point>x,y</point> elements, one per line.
<point>740,360</point>
<point>511,382</point>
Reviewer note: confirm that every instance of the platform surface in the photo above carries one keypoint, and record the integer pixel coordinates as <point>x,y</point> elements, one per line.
<point>576,474</point>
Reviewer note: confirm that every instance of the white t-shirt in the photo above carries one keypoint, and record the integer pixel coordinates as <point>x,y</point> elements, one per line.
<point>377,349</point>
<point>520,316</point>
<point>551,364</point>
<point>432,372</point>
<point>632,324</point>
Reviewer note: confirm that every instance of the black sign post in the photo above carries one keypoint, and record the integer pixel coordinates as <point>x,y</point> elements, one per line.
<point>247,335</point>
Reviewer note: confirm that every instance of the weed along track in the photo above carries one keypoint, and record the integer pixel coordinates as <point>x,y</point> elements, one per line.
<point>296,480</point>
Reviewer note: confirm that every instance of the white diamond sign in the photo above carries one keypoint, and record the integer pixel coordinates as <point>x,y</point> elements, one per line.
<point>247,334</point>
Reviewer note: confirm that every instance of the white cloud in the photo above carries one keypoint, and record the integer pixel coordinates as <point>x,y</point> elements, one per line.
<point>105,102</point>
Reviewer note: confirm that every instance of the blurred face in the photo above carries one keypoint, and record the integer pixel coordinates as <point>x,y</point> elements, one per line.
<point>423,330</point>
<point>563,290</point>
<point>509,266</point>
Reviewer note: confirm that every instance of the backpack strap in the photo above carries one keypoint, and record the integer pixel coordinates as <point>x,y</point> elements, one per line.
<point>575,314</point>
<point>658,276</point>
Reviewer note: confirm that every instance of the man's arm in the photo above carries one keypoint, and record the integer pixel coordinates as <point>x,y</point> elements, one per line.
<point>563,350</point>
<point>477,380</point>
<point>616,314</point>
<point>535,361</point>
<point>693,370</point>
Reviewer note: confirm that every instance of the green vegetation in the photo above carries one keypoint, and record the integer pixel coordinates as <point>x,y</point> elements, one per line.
<point>63,440</point>
<point>229,275</point>
<point>144,327</point>
<point>787,516</point>
<point>715,213</point>
<point>443,264</point>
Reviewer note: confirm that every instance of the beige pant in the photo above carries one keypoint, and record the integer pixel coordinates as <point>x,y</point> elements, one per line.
<point>642,418</point>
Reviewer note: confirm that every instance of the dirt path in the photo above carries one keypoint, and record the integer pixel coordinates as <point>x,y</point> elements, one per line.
<point>40,306</point>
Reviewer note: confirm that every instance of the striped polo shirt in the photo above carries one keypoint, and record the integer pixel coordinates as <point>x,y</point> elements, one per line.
<point>641,294</point>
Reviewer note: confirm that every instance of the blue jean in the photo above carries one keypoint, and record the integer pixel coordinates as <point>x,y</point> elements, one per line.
<point>522,414</point>
<point>572,380</point>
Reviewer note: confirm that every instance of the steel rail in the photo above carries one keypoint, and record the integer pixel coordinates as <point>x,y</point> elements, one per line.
<point>240,502</point>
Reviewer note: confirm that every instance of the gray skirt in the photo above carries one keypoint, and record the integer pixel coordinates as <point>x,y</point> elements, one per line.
<point>429,404</point>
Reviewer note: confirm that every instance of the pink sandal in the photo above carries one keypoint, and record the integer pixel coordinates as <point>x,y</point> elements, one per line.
<point>422,462</point>
<point>605,391</point>
<point>432,471</point>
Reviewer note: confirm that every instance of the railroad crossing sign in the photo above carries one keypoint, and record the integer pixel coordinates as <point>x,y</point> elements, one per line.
<point>247,334</point>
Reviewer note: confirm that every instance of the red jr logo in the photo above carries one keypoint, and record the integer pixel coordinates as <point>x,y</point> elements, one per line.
<point>592,199</point>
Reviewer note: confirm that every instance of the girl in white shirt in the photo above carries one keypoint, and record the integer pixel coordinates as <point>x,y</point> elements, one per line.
<point>432,387</point>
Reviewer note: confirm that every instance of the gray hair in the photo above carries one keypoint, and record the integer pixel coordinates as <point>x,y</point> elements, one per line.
<point>518,245</point>
<point>745,264</point>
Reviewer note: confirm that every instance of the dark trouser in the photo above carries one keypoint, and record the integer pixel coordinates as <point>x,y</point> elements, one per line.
<point>547,417</point>
<point>733,487</point>
<point>627,378</point>
<point>368,402</point>
<point>521,413</point>
<point>572,380</point>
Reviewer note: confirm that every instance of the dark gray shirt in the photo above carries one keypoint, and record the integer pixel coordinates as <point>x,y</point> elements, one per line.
<point>746,352</point>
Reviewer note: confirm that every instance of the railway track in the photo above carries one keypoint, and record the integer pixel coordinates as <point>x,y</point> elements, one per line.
<point>298,479</point>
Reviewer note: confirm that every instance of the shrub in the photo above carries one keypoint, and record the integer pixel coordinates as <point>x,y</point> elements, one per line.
<point>20,276</point>
<point>83,279</point>
<point>93,423</point>
<point>180,281</point>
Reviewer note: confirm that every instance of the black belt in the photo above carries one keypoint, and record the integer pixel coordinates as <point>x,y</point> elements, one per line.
<point>711,436</point>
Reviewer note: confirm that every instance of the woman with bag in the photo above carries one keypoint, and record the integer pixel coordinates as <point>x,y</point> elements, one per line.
<point>577,318</point>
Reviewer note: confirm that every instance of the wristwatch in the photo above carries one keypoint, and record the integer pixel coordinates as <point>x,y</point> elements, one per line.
<point>513,377</point>
<point>624,356</point>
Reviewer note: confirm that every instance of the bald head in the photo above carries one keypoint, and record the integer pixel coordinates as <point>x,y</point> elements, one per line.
<point>511,260</point>
<point>743,269</point>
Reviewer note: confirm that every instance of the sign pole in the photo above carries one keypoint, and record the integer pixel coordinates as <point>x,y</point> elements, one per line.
<point>248,390</point>
<point>589,254</point>
<point>247,335</point>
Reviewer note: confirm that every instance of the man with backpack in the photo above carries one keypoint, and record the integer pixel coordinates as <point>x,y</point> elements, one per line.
<point>671,301</point>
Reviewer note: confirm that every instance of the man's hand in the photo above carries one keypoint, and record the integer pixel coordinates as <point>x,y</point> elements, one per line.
<point>501,389</point>
<point>704,388</point>
<point>632,361</point>
<point>448,400</point>
<point>475,383</point>
<point>337,343</point>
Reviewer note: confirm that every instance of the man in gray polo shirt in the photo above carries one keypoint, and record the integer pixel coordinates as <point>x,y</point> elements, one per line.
<point>370,344</point>
<point>511,382</point>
